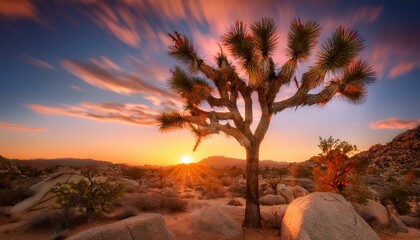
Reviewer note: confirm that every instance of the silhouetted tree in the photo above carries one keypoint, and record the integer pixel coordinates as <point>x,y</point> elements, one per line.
<point>221,86</point>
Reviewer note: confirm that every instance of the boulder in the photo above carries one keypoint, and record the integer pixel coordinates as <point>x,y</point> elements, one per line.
<point>271,200</point>
<point>215,224</point>
<point>286,192</point>
<point>146,226</point>
<point>320,216</point>
<point>299,191</point>
<point>374,213</point>
<point>41,190</point>
<point>410,221</point>
<point>268,191</point>
<point>396,225</point>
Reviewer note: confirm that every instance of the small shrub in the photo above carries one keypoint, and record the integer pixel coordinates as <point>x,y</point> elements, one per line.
<point>11,197</point>
<point>238,190</point>
<point>125,213</point>
<point>153,202</point>
<point>275,219</point>
<point>398,195</point>
<point>273,182</point>
<point>93,197</point>
<point>149,202</point>
<point>174,204</point>
<point>187,195</point>
<point>226,181</point>
<point>234,202</point>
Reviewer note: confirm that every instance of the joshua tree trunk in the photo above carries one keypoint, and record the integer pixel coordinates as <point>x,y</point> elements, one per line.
<point>252,210</point>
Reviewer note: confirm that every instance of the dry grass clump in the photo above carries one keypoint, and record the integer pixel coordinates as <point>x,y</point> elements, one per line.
<point>9,197</point>
<point>187,195</point>
<point>234,202</point>
<point>154,202</point>
<point>274,219</point>
<point>237,190</point>
<point>126,212</point>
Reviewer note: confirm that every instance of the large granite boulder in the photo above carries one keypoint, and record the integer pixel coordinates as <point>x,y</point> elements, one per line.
<point>271,200</point>
<point>146,226</point>
<point>213,223</point>
<point>299,191</point>
<point>374,213</point>
<point>286,192</point>
<point>320,216</point>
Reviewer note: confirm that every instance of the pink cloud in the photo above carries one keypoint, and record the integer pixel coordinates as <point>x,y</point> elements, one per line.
<point>37,62</point>
<point>77,88</point>
<point>401,68</point>
<point>119,80</point>
<point>127,113</point>
<point>395,123</point>
<point>18,9</point>
<point>15,127</point>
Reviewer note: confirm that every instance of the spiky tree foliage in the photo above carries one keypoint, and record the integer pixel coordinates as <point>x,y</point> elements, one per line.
<point>221,86</point>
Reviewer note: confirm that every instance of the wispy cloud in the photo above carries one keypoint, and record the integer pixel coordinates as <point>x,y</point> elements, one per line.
<point>18,9</point>
<point>37,62</point>
<point>116,79</point>
<point>401,69</point>
<point>395,123</point>
<point>16,127</point>
<point>127,113</point>
<point>77,88</point>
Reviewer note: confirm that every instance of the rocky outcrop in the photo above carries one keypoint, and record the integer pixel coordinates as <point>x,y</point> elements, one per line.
<point>402,153</point>
<point>286,192</point>
<point>41,190</point>
<point>299,191</point>
<point>214,224</point>
<point>271,200</point>
<point>146,226</point>
<point>320,216</point>
<point>374,213</point>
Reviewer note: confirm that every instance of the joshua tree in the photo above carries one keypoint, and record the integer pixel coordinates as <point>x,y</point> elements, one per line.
<point>222,88</point>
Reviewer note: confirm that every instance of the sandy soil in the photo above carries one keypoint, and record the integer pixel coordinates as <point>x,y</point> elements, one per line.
<point>178,223</point>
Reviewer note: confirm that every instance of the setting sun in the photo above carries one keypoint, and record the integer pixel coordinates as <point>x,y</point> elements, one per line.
<point>186,159</point>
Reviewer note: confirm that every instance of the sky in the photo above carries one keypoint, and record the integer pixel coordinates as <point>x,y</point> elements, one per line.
<point>85,78</point>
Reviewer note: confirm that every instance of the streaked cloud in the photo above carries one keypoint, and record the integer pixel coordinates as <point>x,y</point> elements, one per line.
<point>126,113</point>
<point>16,127</point>
<point>401,69</point>
<point>77,88</point>
<point>116,79</point>
<point>18,9</point>
<point>395,123</point>
<point>37,62</point>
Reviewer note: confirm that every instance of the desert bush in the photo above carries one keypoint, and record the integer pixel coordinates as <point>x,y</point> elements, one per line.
<point>234,202</point>
<point>174,204</point>
<point>238,190</point>
<point>357,192</point>
<point>93,197</point>
<point>9,197</point>
<point>275,219</point>
<point>226,181</point>
<point>273,182</point>
<point>199,188</point>
<point>154,202</point>
<point>398,195</point>
<point>124,213</point>
<point>300,171</point>
<point>187,195</point>
<point>135,173</point>
<point>149,201</point>
<point>58,221</point>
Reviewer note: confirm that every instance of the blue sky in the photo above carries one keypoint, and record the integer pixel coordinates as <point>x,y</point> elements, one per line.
<point>85,79</point>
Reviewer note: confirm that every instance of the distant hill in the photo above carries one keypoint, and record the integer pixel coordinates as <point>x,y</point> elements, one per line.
<point>77,162</point>
<point>222,162</point>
